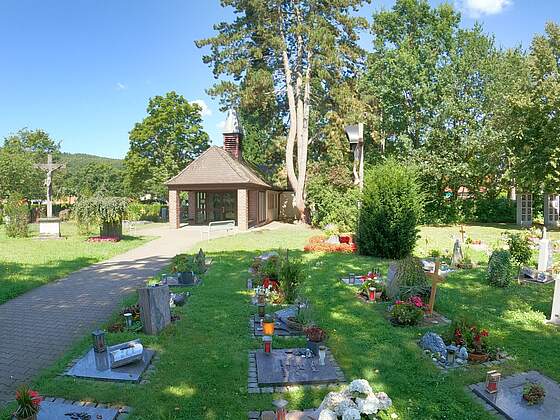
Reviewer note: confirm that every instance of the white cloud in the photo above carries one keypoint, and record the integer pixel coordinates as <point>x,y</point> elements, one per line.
<point>121,86</point>
<point>221,125</point>
<point>477,8</point>
<point>205,111</point>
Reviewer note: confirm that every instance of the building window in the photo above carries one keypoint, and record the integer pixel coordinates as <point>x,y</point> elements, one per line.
<point>553,208</point>
<point>526,208</point>
<point>262,206</point>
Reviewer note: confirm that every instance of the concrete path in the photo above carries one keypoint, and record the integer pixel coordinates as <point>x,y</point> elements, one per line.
<point>37,328</point>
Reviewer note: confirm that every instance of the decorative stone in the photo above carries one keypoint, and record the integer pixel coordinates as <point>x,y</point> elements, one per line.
<point>463,353</point>
<point>434,343</point>
<point>154,308</point>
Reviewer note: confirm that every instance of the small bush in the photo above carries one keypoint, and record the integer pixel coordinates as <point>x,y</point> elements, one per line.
<point>410,280</point>
<point>291,275</point>
<point>500,268</point>
<point>495,210</point>
<point>406,313</point>
<point>17,217</point>
<point>391,208</point>
<point>139,211</point>
<point>519,247</point>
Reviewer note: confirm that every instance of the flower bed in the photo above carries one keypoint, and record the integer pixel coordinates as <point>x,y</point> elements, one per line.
<point>346,244</point>
<point>103,239</point>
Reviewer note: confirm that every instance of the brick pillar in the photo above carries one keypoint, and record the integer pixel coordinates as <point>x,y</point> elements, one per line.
<point>242,209</point>
<point>192,207</point>
<point>174,209</point>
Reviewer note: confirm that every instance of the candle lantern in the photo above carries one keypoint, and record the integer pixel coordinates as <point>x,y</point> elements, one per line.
<point>267,342</point>
<point>128,319</point>
<point>249,283</point>
<point>261,310</point>
<point>268,325</point>
<point>451,355</point>
<point>372,294</point>
<point>322,355</point>
<point>261,297</point>
<point>351,278</point>
<point>98,338</point>
<point>493,381</point>
<point>280,405</point>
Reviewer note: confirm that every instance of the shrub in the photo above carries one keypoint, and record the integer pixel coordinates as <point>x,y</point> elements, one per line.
<point>100,210</point>
<point>409,280</point>
<point>391,207</point>
<point>495,210</point>
<point>406,313</point>
<point>500,269</point>
<point>291,275</point>
<point>17,217</point>
<point>139,211</point>
<point>519,248</point>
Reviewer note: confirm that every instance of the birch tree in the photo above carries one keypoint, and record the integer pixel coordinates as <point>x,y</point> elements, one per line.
<point>303,43</point>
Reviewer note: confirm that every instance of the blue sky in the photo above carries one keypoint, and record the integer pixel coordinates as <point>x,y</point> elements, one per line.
<point>83,70</point>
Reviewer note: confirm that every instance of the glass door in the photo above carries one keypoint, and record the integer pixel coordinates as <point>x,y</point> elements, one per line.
<point>224,206</point>
<point>201,216</point>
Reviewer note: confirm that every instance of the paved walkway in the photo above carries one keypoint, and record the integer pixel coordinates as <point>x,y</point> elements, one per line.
<point>37,328</point>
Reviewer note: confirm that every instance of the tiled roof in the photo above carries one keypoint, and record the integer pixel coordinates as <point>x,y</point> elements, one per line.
<point>217,167</point>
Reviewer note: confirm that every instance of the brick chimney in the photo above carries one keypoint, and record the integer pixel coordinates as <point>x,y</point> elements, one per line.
<point>233,135</point>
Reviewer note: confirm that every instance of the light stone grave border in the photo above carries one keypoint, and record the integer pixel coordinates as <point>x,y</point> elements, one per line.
<point>123,411</point>
<point>254,388</point>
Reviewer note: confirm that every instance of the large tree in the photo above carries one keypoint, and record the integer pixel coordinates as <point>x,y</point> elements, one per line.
<point>166,141</point>
<point>302,44</point>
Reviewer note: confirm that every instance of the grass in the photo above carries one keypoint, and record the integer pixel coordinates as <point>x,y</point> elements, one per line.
<point>26,263</point>
<point>202,373</point>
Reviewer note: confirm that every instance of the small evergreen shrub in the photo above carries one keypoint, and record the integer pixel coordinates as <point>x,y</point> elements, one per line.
<point>17,217</point>
<point>500,268</point>
<point>409,280</point>
<point>519,247</point>
<point>391,208</point>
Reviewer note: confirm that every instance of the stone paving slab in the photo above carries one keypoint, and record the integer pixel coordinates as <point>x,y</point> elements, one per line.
<point>70,308</point>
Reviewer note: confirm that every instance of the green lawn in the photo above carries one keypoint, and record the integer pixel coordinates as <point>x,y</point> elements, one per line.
<point>202,373</point>
<point>26,263</point>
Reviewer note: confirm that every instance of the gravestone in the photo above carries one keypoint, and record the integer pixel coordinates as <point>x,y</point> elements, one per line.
<point>154,308</point>
<point>60,409</point>
<point>392,288</point>
<point>457,257</point>
<point>287,367</point>
<point>49,226</point>
<point>555,313</point>
<point>97,366</point>
<point>509,398</point>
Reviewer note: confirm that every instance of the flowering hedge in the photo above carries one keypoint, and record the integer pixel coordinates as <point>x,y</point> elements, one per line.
<point>319,244</point>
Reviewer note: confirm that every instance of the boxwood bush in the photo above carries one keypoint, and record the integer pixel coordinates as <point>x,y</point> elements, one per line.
<point>500,268</point>
<point>391,207</point>
<point>409,280</point>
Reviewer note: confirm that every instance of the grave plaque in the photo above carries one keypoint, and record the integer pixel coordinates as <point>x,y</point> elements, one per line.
<point>154,308</point>
<point>58,410</point>
<point>509,398</point>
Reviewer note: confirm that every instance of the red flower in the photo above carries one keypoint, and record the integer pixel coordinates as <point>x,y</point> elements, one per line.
<point>484,333</point>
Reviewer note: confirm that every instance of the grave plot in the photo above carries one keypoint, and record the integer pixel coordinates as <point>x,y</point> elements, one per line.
<point>187,270</point>
<point>276,370</point>
<point>122,363</point>
<point>509,399</point>
<point>58,408</point>
<point>285,324</point>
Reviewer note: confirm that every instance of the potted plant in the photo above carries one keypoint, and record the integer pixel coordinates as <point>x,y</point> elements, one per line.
<point>269,273</point>
<point>315,338</point>
<point>533,393</point>
<point>28,403</point>
<point>479,351</point>
<point>268,325</point>
<point>408,312</point>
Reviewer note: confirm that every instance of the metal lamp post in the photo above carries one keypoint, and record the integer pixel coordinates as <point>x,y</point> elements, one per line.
<point>355,135</point>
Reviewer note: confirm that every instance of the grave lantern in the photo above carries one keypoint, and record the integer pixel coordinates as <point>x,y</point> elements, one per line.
<point>493,381</point>
<point>249,283</point>
<point>351,278</point>
<point>280,405</point>
<point>451,355</point>
<point>268,325</point>
<point>372,294</point>
<point>261,310</point>
<point>267,342</point>
<point>261,297</point>
<point>98,338</point>
<point>128,319</point>
<point>322,355</point>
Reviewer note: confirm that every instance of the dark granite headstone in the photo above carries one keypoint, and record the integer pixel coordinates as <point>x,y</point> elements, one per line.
<point>96,366</point>
<point>286,367</point>
<point>509,398</point>
<point>154,308</point>
<point>55,410</point>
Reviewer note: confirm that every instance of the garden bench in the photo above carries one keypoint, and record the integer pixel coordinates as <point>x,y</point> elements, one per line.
<point>222,225</point>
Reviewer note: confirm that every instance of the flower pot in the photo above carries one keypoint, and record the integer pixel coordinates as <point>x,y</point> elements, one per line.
<point>293,324</point>
<point>314,346</point>
<point>478,357</point>
<point>186,277</point>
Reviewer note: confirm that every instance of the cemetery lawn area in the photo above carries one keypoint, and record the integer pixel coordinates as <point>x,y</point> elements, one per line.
<point>202,370</point>
<point>26,263</point>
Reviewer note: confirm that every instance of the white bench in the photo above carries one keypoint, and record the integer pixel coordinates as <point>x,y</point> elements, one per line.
<point>222,225</point>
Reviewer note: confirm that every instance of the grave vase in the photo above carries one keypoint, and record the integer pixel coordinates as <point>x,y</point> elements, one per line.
<point>314,346</point>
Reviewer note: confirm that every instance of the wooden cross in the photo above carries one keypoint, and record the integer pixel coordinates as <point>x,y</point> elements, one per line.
<point>436,279</point>
<point>49,168</point>
<point>462,234</point>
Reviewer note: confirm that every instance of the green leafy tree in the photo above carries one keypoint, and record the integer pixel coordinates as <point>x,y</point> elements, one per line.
<point>166,141</point>
<point>16,212</point>
<point>91,178</point>
<point>301,44</point>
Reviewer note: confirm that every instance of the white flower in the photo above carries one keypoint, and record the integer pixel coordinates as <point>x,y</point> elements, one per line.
<point>384,401</point>
<point>370,405</point>
<point>359,385</point>
<point>327,415</point>
<point>331,401</point>
<point>345,405</point>
<point>394,416</point>
<point>351,414</point>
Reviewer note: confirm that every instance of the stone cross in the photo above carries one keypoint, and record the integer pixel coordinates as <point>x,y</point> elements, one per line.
<point>436,279</point>
<point>545,252</point>
<point>49,168</point>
